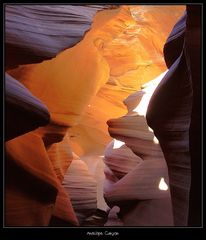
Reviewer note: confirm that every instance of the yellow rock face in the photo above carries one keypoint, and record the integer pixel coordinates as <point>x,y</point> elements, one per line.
<point>132,46</point>
<point>85,85</point>
<point>123,48</point>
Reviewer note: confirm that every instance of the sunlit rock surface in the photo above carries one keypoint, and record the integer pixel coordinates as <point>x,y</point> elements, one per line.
<point>83,87</point>
<point>108,102</point>
<point>136,171</point>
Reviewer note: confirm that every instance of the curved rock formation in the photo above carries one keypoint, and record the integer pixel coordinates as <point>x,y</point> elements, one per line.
<point>38,32</point>
<point>130,53</point>
<point>83,87</point>
<point>28,111</point>
<point>64,113</point>
<point>44,172</point>
<point>170,113</point>
<point>26,205</point>
<point>137,176</point>
<point>82,189</point>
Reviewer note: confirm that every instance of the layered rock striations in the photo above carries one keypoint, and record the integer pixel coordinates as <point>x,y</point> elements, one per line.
<point>136,171</point>
<point>28,111</point>
<point>38,32</point>
<point>173,115</point>
<point>82,87</point>
<point>133,60</point>
<point>82,188</point>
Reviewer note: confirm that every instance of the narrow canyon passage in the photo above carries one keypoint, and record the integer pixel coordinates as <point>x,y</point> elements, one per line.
<point>79,80</point>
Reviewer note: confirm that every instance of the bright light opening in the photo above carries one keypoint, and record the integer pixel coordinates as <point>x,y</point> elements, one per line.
<point>117,144</point>
<point>162,185</point>
<point>148,88</point>
<point>150,129</point>
<point>155,140</point>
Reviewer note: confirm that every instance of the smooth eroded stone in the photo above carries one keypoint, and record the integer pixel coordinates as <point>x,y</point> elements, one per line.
<point>32,184</point>
<point>173,46</point>
<point>38,32</point>
<point>82,188</point>
<point>72,85</point>
<point>169,115</point>
<point>136,171</point>
<point>24,112</point>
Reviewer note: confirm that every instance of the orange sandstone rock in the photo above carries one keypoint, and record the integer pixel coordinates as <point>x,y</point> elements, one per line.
<point>118,52</point>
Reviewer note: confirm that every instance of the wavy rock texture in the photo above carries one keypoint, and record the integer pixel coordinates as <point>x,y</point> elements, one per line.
<point>35,33</point>
<point>138,48</point>
<point>29,175</point>
<point>83,87</point>
<point>135,167</point>
<point>63,212</point>
<point>129,54</point>
<point>82,189</point>
<point>28,111</point>
<point>170,114</point>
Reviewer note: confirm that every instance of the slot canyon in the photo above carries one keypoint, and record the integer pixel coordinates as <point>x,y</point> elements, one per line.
<point>102,115</point>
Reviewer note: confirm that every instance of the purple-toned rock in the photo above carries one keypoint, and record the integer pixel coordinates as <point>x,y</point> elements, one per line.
<point>174,115</point>
<point>82,188</point>
<point>38,32</point>
<point>24,112</point>
<point>136,171</point>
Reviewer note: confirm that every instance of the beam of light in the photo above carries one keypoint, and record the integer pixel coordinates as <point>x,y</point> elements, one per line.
<point>150,129</point>
<point>148,90</point>
<point>155,81</point>
<point>141,109</point>
<point>162,185</point>
<point>117,144</point>
<point>155,140</point>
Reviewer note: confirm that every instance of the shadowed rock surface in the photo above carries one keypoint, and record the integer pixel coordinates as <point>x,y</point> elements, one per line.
<point>174,114</point>
<point>83,80</point>
<point>136,172</point>
<point>82,188</point>
<point>23,111</point>
<point>38,32</point>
